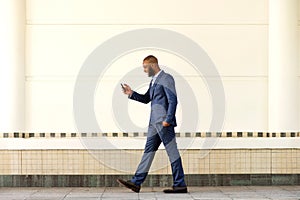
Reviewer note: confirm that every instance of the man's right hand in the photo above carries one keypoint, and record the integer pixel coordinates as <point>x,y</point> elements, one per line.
<point>127,90</point>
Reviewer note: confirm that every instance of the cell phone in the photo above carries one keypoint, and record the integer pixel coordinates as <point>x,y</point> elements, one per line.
<point>122,86</point>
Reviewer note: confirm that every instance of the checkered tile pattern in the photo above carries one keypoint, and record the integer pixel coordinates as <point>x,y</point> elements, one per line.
<point>142,134</point>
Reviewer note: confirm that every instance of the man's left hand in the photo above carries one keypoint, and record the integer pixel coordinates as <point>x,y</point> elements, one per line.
<point>165,124</point>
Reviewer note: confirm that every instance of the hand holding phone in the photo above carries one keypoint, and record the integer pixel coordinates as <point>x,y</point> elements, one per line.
<point>126,89</point>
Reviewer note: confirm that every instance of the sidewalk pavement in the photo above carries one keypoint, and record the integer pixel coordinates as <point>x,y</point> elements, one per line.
<point>117,193</point>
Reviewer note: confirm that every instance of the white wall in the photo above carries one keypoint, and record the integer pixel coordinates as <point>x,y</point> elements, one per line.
<point>12,58</point>
<point>60,35</point>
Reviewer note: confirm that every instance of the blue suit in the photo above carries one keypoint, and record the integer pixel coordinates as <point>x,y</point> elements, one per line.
<point>162,95</point>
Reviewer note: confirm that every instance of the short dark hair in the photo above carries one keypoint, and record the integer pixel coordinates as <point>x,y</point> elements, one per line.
<point>151,59</point>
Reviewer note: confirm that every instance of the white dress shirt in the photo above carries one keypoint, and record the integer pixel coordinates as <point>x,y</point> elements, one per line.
<point>155,77</point>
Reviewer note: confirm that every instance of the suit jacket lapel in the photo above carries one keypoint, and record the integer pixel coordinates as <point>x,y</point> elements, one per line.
<point>152,89</point>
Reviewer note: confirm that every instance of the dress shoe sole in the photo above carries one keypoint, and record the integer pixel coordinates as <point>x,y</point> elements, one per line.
<point>129,186</point>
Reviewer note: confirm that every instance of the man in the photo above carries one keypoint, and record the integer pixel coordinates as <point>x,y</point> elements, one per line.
<point>162,95</point>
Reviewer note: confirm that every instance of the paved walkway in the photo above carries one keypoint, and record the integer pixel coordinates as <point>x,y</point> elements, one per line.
<point>215,193</point>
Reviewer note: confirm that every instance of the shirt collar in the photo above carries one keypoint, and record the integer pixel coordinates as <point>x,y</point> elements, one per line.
<point>156,75</point>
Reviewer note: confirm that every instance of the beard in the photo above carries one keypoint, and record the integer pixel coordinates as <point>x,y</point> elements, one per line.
<point>151,72</point>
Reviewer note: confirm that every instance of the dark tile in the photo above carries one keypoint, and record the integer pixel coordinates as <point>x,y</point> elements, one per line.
<point>94,135</point>
<point>240,179</point>
<point>284,179</point>
<point>261,179</point>
<point>73,134</point>
<point>208,134</point>
<point>240,134</point>
<point>198,134</point>
<point>293,134</point>
<point>219,134</point>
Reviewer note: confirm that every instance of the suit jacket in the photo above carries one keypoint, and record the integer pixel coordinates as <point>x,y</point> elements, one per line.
<point>163,99</point>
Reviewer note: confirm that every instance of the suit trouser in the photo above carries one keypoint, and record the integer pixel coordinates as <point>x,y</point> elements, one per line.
<point>157,134</point>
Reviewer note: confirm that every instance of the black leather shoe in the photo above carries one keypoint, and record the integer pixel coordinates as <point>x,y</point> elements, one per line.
<point>176,190</point>
<point>130,185</point>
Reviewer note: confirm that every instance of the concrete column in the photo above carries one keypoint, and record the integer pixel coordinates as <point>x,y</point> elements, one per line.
<point>12,61</point>
<point>283,65</point>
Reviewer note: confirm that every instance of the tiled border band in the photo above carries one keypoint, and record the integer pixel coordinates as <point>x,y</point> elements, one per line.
<point>151,181</point>
<point>141,134</point>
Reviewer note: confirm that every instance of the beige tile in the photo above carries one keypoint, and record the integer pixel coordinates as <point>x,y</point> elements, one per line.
<point>204,165</point>
<point>235,161</point>
<point>260,161</point>
<point>217,161</point>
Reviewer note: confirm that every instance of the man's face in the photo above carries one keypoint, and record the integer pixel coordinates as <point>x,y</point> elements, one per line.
<point>148,68</point>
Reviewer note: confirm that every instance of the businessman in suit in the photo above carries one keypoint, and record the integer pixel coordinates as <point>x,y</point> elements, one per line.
<point>162,94</point>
